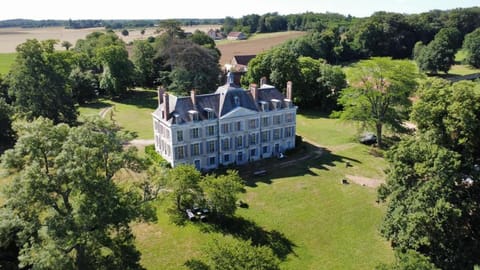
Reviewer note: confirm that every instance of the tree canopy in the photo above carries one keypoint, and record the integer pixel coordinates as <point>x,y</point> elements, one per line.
<point>38,82</point>
<point>64,209</point>
<point>472,45</point>
<point>432,184</point>
<point>378,93</point>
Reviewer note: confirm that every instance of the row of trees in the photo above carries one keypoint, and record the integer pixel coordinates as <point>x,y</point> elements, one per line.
<point>432,186</point>
<point>317,84</point>
<point>340,39</point>
<point>49,83</point>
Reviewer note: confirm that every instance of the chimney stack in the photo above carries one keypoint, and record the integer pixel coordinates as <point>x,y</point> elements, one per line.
<point>289,90</point>
<point>193,97</point>
<point>160,92</point>
<point>166,107</point>
<point>263,81</point>
<point>254,91</point>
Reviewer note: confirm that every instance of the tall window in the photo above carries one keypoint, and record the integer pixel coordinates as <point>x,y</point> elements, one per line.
<point>179,135</point>
<point>277,134</point>
<point>288,132</point>
<point>195,133</point>
<point>289,117</point>
<point>179,152</point>
<point>211,146</point>
<point>252,123</point>
<point>238,126</point>
<point>226,144</point>
<point>265,121</point>
<point>225,128</point>
<point>210,130</point>
<point>265,136</point>
<point>196,149</point>
<point>211,161</point>
<point>226,158</point>
<point>239,141</point>
<point>252,138</point>
<point>239,156</point>
<point>277,119</point>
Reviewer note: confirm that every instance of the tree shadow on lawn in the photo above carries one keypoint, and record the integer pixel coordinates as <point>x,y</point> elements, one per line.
<point>245,229</point>
<point>300,162</point>
<point>140,98</point>
<point>96,104</point>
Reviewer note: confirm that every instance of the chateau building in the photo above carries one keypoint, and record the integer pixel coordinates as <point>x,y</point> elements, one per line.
<point>232,125</point>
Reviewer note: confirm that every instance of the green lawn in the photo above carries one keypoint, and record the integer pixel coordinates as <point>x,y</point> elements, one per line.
<point>132,113</point>
<point>309,217</point>
<point>6,61</point>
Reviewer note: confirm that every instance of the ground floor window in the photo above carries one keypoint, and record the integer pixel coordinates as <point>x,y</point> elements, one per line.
<point>265,149</point>
<point>211,161</point>
<point>226,158</point>
<point>240,157</point>
<point>253,152</point>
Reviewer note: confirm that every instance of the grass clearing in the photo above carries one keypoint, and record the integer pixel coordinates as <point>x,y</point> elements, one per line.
<point>132,113</point>
<point>6,61</point>
<point>322,223</point>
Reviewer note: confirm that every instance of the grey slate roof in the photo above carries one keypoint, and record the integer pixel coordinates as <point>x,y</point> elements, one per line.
<point>225,99</point>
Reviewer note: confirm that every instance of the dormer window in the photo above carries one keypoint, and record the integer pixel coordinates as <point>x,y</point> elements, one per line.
<point>177,120</point>
<point>276,104</point>
<point>193,115</point>
<point>236,100</point>
<point>264,106</point>
<point>288,103</point>
<point>210,113</point>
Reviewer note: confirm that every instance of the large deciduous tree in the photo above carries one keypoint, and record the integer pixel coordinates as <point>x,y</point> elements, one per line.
<point>142,58</point>
<point>64,209</point>
<point>439,54</point>
<point>229,254</point>
<point>117,76</point>
<point>433,183</point>
<point>38,82</point>
<point>378,93</point>
<point>472,45</point>
<point>191,66</point>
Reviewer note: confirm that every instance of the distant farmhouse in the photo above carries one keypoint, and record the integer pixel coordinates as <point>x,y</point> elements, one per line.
<point>236,36</point>
<point>238,66</point>
<point>230,126</point>
<point>215,34</point>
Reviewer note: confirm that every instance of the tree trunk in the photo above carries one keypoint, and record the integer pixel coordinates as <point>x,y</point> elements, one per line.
<point>379,126</point>
<point>80,261</point>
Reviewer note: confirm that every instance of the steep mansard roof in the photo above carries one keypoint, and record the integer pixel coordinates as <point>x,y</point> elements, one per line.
<point>225,99</point>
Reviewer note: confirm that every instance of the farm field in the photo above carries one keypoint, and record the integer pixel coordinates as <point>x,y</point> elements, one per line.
<point>254,45</point>
<point>310,218</point>
<point>10,38</point>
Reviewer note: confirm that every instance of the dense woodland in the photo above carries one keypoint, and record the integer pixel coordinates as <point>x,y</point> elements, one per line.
<point>432,187</point>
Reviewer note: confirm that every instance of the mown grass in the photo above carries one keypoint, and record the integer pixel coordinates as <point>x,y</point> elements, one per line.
<point>313,221</point>
<point>6,61</point>
<point>132,113</point>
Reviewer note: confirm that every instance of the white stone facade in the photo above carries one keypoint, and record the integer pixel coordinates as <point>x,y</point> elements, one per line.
<point>232,126</point>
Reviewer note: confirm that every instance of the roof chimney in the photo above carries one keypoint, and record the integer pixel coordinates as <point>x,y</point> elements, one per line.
<point>254,91</point>
<point>263,81</point>
<point>166,106</point>
<point>193,97</point>
<point>289,90</point>
<point>160,92</point>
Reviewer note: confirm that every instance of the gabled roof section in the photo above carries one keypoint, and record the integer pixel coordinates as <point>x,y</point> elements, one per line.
<point>242,59</point>
<point>233,96</point>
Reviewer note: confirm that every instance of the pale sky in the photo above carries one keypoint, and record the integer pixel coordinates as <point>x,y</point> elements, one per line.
<point>148,9</point>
